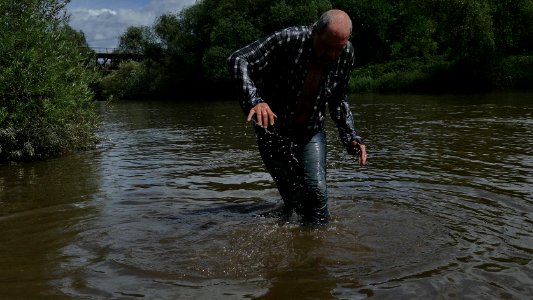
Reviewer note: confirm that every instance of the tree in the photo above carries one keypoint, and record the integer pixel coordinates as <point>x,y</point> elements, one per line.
<point>137,40</point>
<point>46,105</point>
<point>513,26</point>
<point>418,43</point>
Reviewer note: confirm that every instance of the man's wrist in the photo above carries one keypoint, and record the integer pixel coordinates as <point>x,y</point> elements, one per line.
<point>353,147</point>
<point>358,140</point>
<point>255,101</point>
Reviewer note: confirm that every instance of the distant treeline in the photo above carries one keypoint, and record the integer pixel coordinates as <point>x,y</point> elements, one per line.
<point>47,83</point>
<point>402,45</point>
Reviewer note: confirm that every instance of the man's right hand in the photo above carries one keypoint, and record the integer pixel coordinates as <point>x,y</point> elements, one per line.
<point>263,113</point>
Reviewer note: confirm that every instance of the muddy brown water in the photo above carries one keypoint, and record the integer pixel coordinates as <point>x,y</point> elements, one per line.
<point>171,205</point>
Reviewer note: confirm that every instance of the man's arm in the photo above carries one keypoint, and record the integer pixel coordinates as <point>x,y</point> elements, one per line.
<point>248,62</point>
<point>343,118</point>
<point>341,114</point>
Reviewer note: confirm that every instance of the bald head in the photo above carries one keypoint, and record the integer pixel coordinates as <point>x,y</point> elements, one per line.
<point>335,22</point>
<point>330,35</point>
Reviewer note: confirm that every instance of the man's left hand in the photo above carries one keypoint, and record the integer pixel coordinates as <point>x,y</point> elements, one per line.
<point>360,152</point>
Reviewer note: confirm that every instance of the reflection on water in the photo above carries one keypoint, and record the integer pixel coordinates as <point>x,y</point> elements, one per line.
<point>174,204</point>
<point>43,206</point>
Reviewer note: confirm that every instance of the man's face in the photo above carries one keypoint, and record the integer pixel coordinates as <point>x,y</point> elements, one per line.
<point>328,46</point>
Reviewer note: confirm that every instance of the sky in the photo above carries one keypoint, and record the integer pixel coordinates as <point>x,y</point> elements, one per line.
<point>104,21</point>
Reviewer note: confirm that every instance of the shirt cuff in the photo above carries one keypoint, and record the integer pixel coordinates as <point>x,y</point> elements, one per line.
<point>254,101</point>
<point>358,139</point>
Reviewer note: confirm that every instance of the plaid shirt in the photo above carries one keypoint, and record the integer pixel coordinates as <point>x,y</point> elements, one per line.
<point>273,70</point>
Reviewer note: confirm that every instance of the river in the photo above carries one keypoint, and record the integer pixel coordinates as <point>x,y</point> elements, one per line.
<point>174,203</point>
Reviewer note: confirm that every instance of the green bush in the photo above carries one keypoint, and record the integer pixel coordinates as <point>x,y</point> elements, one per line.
<point>124,83</point>
<point>46,106</point>
<point>402,75</point>
<point>513,72</point>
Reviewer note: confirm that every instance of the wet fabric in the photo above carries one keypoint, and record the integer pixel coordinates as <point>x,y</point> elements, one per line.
<point>274,69</point>
<point>299,170</point>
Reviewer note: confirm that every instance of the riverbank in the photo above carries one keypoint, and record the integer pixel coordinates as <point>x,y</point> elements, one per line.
<point>431,75</point>
<point>436,75</point>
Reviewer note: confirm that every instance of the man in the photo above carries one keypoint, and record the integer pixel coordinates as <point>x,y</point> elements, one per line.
<point>285,81</point>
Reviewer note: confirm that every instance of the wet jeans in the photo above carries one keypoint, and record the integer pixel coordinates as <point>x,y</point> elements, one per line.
<point>299,170</point>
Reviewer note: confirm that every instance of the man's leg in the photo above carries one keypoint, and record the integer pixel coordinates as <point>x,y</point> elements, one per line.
<point>280,162</point>
<point>312,158</point>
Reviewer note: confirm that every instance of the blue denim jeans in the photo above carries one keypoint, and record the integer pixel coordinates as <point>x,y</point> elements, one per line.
<point>299,170</point>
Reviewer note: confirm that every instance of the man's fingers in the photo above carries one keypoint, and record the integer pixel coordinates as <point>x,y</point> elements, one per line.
<point>360,152</point>
<point>362,157</point>
<point>250,115</point>
<point>263,114</point>
<point>265,118</point>
<point>273,117</point>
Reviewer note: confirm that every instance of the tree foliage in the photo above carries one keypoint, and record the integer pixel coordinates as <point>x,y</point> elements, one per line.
<point>45,102</point>
<point>137,40</point>
<point>454,42</point>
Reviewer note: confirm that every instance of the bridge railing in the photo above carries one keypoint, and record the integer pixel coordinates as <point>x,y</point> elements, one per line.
<point>103,50</point>
<point>109,58</point>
